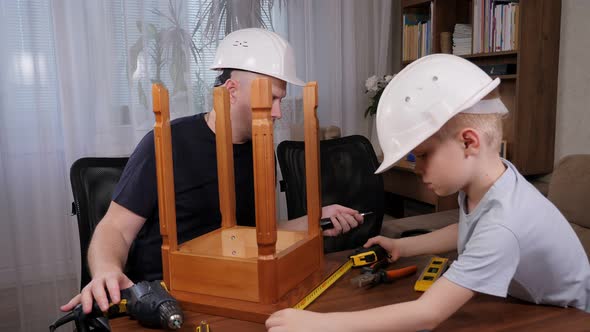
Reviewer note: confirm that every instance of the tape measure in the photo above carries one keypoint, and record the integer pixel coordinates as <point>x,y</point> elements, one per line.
<point>323,286</point>
<point>366,256</point>
<point>431,273</point>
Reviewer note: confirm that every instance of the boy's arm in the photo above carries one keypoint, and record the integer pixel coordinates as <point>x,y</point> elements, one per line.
<point>436,242</point>
<point>439,241</point>
<point>437,304</point>
<point>441,300</point>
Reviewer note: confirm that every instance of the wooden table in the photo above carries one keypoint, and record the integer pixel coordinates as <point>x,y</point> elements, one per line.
<point>403,182</point>
<point>484,313</point>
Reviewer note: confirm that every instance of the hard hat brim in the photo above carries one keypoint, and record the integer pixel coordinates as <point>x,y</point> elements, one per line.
<point>386,165</point>
<point>292,80</point>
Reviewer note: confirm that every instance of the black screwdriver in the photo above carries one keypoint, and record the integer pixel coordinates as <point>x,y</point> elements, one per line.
<point>326,223</point>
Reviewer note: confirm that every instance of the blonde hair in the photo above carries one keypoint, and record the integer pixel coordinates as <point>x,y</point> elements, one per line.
<point>488,125</point>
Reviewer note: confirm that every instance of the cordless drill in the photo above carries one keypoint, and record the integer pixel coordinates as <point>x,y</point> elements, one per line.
<point>148,302</point>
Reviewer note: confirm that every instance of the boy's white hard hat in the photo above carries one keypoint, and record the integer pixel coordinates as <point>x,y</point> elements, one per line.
<point>257,50</point>
<point>423,96</point>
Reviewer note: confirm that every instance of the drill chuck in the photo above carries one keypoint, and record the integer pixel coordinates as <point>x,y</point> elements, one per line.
<point>153,306</point>
<point>175,322</point>
<point>170,315</point>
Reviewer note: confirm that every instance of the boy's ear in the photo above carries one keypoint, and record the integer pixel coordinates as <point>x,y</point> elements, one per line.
<point>471,141</point>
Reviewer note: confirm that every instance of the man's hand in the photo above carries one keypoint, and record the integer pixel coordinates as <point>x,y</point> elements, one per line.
<point>107,253</point>
<point>390,245</point>
<point>292,320</point>
<point>95,290</point>
<point>343,218</point>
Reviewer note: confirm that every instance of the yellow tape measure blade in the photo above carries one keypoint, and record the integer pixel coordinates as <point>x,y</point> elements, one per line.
<point>307,300</point>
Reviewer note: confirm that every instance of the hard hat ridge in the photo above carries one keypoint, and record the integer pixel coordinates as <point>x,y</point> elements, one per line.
<point>260,51</point>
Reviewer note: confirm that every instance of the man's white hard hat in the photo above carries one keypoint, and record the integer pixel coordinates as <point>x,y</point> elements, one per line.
<point>426,94</point>
<point>257,50</point>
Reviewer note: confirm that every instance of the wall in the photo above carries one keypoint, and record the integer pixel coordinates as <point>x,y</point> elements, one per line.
<point>573,93</point>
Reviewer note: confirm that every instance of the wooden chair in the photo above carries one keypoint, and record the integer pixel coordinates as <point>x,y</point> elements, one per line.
<point>235,271</point>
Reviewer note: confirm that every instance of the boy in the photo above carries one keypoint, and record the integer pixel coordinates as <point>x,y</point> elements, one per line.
<point>510,239</point>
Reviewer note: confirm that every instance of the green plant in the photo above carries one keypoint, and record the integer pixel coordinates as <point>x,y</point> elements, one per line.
<point>222,16</point>
<point>163,46</point>
<point>166,45</point>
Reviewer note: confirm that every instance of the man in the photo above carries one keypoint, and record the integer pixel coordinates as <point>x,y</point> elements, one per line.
<point>128,235</point>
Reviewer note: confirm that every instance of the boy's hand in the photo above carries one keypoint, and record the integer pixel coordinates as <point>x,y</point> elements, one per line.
<point>343,218</point>
<point>293,320</point>
<point>95,291</point>
<point>390,245</point>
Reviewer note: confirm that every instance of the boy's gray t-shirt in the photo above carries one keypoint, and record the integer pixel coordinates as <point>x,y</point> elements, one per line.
<point>516,242</point>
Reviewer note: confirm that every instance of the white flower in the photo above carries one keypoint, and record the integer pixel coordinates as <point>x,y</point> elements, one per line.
<point>374,87</point>
<point>372,83</point>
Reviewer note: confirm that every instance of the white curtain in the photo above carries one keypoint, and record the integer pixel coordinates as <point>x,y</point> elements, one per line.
<point>339,44</point>
<point>75,81</point>
<point>37,248</point>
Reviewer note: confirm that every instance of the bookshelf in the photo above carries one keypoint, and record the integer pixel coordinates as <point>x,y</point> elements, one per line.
<point>531,92</point>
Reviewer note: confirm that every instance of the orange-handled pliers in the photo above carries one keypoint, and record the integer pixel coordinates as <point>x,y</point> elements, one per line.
<point>382,276</point>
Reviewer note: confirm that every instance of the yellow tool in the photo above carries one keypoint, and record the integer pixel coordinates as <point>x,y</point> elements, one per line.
<point>431,273</point>
<point>360,257</point>
<point>203,327</point>
<point>366,256</point>
<point>323,286</point>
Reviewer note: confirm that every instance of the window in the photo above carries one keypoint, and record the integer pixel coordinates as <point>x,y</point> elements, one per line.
<point>165,29</point>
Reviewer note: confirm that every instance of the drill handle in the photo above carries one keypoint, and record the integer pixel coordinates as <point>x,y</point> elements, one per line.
<point>84,322</point>
<point>70,316</point>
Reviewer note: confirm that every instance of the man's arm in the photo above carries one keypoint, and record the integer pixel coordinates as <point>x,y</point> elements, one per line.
<point>107,255</point>
<point>112,239</point>
<point>343,218</point>
<point>437,304</point>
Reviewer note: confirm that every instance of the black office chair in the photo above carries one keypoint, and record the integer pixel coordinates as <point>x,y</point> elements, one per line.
<point>93,182</point>
<point>347,172</point>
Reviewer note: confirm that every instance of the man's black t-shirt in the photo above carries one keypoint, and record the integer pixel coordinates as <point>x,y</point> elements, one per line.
<point>195,186</point>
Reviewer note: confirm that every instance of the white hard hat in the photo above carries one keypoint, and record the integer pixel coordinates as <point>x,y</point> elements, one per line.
<point>423,96</point>
<point>257,50</point>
